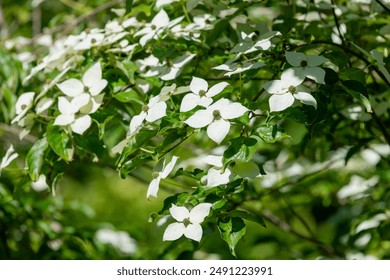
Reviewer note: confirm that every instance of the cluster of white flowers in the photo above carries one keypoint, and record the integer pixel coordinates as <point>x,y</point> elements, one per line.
<point>82,98</point>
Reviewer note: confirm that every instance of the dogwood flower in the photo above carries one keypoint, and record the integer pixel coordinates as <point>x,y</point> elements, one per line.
<point>151,112</point>
<point>238,67</point>
<point>200,94</point>
<point>307,66</point>
<point>285,91</point>
<point>91,83</point>
<point>215,176</point>
<point>69,109</point>
<point>216,117</point>
<point>251,42</point>
<point>170,70</point>
<point>188,222</point>
<point>10,155</point>
<point>156,27</point>
<point>162,171</point>
<point>23,104</point>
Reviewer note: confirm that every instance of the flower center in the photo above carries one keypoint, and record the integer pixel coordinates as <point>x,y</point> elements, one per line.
<point>240,65</point>
<point>202,93</point>
<point>186,222</point>
<point>303,63</point>
<point>93,41</point>
<point>292,89</point>
<point>86,89</point>
<point>154,27</point>
<point>24,106</point>
<point>155,175</point>
<point>216,115</point>
<point>145,108</point>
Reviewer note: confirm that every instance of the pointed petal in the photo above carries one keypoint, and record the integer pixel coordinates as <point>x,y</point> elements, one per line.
<point>64,106</point>
<point>293,76</point>
<point>161,19</point>
<point>213,160</point>
<point>220,104</point>
<point>315,60</point>
<point>179,213</point>
<point>306,98</point>
<point>92,75</point>
<point>189,102</point>
<point>280,102</point>
<point>199,212</point>
<point>180,61</point>
<point>200,119</point>
<point>136,121</point>
<point>233,110</point>
<point>80,101</point>
<point>218,130</point>
<point>215,89</point>
<point>174,231</point>
<point>98,87</point>
<point>71,87</point>
<point>64,119</point>
<point>170,73</point>
<point>81,124</point>
<point>295,58</point>
<point>275,87</point>
<point>215,177</point>
<point>194,232</point>
<point>156,112</point>
<point>315,73</point>
<point>198,84</point>
<point>153,187</point>
<point>146,38</point>
<point>168,168</point>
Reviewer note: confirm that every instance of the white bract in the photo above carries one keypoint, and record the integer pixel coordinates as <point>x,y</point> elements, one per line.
<point>216,117</point>
<point>251,42</point>
<point>215,176</point>
<point>286,90</point>
<point>201,94</point>
<point>83,98</point>
<point>238,67</point>
<point>188,222</point>
<point>170,70</point>
<point>23,104</point>
<point>156,27</point>
<point>161,171</point>
<point>151,112</point>
<point>10,155</point>
<point>307,66</point>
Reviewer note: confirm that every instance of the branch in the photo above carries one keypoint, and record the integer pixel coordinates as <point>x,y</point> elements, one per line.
<point>387,9</point>
<point>326,249</point>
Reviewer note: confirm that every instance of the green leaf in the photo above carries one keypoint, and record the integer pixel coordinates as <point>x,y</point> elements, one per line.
<point>358,91</point>
<point>90,144</point>
<point>232,229</point>
<point>353,74</point>
<point>381,65</point>
<point>35,158</point>
<point>60,143</point>
<point>128,96</point>
<point>271,134</point>
<point>129,6</point>
<point>133,164</point>
<point>248,216</point>
<point>241,149</point>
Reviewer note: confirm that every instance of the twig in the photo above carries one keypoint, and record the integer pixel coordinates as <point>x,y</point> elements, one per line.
<point>337,23</point>
<point>387,9</point>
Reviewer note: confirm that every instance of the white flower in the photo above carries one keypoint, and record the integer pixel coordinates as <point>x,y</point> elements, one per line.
<point>286,90</point>
<point>23,104</point>
<point>167,91</point>
<point>161,172</point>
<point>238,67</point>
<point>215,176</point>
<point>201,94</point>
<point>78,122</point>
<point>156,27</point>
<point>216,117</point>
<point>10,155</point>
<point>120,240</point>
<point>151,112</point>
<point>188,222</point>
<point>91,39</point>
<point>307,66</point>
<point>91,83</point>
<point>251,42</point>
<point>160,3</point>
<point>170,70</point>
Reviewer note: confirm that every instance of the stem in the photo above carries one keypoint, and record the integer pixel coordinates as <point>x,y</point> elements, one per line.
<point>185,12</point>
<point>382,127</point>
<point>383,6</point>
<point>337,23</point>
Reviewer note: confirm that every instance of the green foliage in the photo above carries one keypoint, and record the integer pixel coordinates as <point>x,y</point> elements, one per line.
<point>273,115</point>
